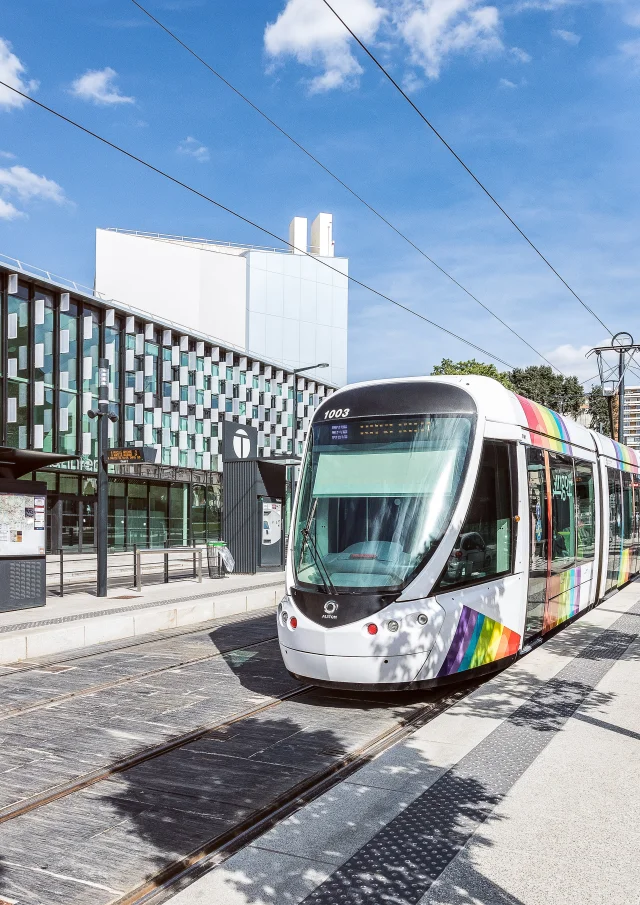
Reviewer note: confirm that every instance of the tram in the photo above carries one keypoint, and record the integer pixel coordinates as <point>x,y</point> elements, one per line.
<point>441,526</point>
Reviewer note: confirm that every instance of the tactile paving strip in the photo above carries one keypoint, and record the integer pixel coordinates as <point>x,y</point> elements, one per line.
<point>399,864</point>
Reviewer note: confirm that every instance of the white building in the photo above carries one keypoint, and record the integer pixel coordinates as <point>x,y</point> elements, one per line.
<point>632,416</point>
<point>277,303</point>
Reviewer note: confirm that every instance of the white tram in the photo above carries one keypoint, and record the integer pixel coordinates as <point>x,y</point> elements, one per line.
<point>442,524</point>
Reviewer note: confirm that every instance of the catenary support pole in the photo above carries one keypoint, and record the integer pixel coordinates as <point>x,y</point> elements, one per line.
<point>621,399</point>
<point>103,474</point>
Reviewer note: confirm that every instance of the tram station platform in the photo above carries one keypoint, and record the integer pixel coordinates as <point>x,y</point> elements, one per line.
<point>82,620</point>
<point>525,792</point>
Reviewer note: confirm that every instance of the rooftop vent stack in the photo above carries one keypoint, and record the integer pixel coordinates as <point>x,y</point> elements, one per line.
<point>322,243</point>
<point>298,235</point>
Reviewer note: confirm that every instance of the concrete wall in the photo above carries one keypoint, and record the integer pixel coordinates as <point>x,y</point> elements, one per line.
<point>297,312</point>
<point>200,286</point>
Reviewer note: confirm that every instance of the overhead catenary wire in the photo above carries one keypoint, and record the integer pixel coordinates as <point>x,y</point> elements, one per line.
<point>248,221</point>
<point>340,181</point>
<point>481,185</point>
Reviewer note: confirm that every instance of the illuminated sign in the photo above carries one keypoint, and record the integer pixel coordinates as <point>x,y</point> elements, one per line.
<point>131,455</point>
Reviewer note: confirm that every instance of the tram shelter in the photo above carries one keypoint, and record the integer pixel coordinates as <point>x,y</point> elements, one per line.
<point>23,528</point>
<point>254,501</point>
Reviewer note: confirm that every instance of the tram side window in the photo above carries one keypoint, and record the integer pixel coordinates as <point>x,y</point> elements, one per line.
<point>627,510</point>
<point>483,548</point>
<point>585,512</point>
<point>563,514</point>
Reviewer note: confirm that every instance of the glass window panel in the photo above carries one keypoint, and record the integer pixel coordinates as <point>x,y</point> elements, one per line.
<point>137,514</point>
<point>585,511</point>
<point>563,515</point>
<point>69,484</point>
<point>179,515</point>
<point>17,337</point>
<point>90,350</point>
<point>43,420</point>
<point>43,326</point>
<point>158,514</point>
<point>112,346</point>
<point>198,513</point>
<point>69,348</point>
<point>67,423</point>
<point>117,513</point>
<point>49,478</point>
<point>615,527</point>
<point>17,414</point>
<point>90,428</point>
<point>483,547</point>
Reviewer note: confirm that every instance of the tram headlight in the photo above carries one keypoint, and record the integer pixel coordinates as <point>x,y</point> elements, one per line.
<point>284,617</point>
<point>423,618</point>
<point>392,625</point>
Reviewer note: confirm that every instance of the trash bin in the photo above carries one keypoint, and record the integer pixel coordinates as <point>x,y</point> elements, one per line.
<point>219,559</point>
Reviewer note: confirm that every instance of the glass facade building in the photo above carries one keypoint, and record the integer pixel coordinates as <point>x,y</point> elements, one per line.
<point>171,389</point>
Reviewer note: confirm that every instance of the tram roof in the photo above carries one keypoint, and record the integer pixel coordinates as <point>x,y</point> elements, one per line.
<point>496,403</point>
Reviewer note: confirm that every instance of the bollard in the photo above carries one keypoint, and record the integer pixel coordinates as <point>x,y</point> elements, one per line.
<point>61,572</point>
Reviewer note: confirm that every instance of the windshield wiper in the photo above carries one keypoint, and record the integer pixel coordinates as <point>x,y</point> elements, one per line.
<point>307,540</point>
<point>328,585</point>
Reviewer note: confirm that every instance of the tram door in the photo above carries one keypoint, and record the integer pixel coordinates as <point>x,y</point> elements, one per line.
<point>615,528</point>
<point>538,489</point>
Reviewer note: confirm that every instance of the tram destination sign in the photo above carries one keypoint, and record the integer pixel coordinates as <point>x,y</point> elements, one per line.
<point>131,455</point>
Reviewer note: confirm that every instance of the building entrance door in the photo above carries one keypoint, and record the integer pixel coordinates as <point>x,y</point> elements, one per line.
<point>72,523</point>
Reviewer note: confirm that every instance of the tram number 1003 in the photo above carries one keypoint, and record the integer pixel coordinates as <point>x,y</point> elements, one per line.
<point>336,413</point>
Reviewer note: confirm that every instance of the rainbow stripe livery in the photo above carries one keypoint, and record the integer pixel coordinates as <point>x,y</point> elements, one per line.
<point>478,640</point>
<point>564,594</point>
<point>546,428</point>
<point>624,569</point>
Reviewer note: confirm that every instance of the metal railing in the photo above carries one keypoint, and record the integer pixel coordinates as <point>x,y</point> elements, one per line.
<point>194,553</point>
<point>72,572</point>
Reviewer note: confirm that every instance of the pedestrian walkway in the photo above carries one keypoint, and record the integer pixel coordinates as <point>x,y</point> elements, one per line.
<point>83,620</point>
<point>526,792</point>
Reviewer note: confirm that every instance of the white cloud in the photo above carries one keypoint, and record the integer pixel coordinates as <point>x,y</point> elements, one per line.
<point>19,182</point>
<point>97,85</point>
<point>12,71</point>
<point>7,155</point>
<point>308,31</point>
<point>26,185</point>
<point>520,55</point>
<point>193,148</point>
<point>569,36</point>
<point>434,30</point>
<point>630,51</point>
<point>507,83</point>
<point>8,211</point>
<point>572,360</point>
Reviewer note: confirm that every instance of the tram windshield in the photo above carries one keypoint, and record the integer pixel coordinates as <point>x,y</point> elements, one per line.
<point>375,499</point>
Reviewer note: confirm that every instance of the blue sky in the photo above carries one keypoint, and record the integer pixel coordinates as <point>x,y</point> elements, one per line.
<point>540,97</point>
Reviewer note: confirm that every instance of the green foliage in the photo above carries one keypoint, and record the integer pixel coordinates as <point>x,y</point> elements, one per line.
<point>541,384</point>
<point>456,368</point>
<point>537,382</point>
<point>599,411</point>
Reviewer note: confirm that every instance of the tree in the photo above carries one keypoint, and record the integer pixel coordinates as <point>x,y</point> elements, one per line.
<point>454,368</point>
<point>599,411</point>
<point>541,384</point>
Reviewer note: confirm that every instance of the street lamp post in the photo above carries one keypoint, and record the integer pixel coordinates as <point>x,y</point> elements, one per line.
<point>104,416</point>
<point>323,364</point>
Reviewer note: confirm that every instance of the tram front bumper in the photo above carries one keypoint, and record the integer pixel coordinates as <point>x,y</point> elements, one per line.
<point>353,670</point>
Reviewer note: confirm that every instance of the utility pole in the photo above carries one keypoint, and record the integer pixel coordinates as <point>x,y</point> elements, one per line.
<point>103,416</point>
<point>623,344</point>
<point>621,397</point>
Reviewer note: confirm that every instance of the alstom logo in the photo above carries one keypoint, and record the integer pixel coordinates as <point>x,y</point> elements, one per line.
<point>241,444</point>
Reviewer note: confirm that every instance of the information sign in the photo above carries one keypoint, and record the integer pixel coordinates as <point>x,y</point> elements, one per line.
<point>131,455</point>
<point>22,524</point>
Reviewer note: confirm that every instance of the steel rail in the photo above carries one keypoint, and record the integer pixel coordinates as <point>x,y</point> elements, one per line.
<point>185,871</point>
<point>64,790</point>
<point>93,689</point>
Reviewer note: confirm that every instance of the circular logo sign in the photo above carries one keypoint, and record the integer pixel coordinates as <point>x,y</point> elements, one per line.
<point>241,444</point>
<point>330,607</point>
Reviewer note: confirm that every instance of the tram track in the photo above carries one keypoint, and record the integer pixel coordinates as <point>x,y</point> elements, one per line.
<point>181,873</point>
<point>106,686</point>
<point>64,790</point>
